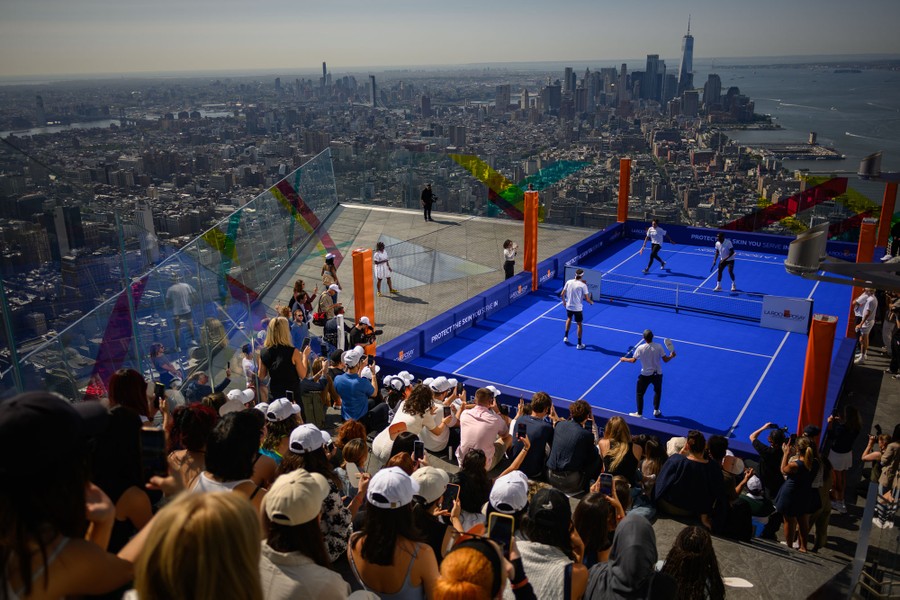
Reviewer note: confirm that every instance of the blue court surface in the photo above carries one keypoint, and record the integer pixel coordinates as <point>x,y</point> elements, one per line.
<point>730,376</point>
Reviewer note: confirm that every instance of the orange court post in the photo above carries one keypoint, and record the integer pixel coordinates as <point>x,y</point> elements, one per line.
<point>624,188</point>
<point>364,289</point>
<point>816,371</point>
<point>887,213</point>
<point>865,251</point>
<point>531,236</point>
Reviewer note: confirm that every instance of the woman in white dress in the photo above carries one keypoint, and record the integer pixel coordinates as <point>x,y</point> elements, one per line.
<point>382,268</point>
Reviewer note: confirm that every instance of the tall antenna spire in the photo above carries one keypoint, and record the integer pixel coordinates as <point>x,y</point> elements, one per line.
<point>689,25</point>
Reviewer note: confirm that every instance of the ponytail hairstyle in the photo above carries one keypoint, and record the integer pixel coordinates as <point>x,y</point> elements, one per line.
<point>805,451</point>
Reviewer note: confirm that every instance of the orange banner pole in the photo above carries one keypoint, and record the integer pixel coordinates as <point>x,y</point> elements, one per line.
<point>865,252</point>
<point>531,239</point>
<point>887,213</point>
<point>364,289</point>
<point>624,188</point>
<point>816,371</point>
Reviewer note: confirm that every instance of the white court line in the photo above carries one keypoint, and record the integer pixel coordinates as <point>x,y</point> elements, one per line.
<point>641,333</point>
<point>758,383</point>
<point>771,362</point>
<point>623,262</point>
<point>739,258</point>
<point>596,383</point>
<point>516,332</point>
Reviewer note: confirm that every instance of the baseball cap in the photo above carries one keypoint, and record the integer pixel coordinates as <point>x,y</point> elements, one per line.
<point>391,488</point>
<point>233,404</point>
<point>263,407</point>
<point>69,426</point>
<point>281,409</point>
<point>394,382</point>
<point>406,376</point>
<point>494,390</point>
<point>510,493</point>
<point>296,498</point>
<point>305,439</point>
<point>326,438</point>
<point>440,384</point>
<point>335,356</point>
<point>432,483</point>
<point>367,372</point>
<point>334,287</point>
<point>755,486</point>
<point>329,256</point>
<point>364,321</point>
<point>453,382</point>
<point>550,508</point>
<point>244,396</point>
<point>811,431</point>
<point>428,381</point>
<point>351,357</point>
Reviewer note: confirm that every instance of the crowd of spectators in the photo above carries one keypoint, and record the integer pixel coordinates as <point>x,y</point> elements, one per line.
<point>247,494</point>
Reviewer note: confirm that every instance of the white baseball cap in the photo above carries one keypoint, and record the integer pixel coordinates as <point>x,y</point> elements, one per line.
<point>233,404</point>
<point>326,437</point>
<point>510,493</point>
<point>334,287</point>
<point>296,498</point>
<point>305,439</point>
<point>432,483</point>
<point>364,321</point>
<point>263,407</point>
<point>494,390</point>
<point>427,381</point>
<point>367,372</point>
<point>391,488</point>
<point>440,384</point>
<point>281,409</point>
<point>244,396</point>
<point>406,376</point>
<point>351,358</point>
<point>394,382</point>
<point>329,256</point>
<point>453,382</point>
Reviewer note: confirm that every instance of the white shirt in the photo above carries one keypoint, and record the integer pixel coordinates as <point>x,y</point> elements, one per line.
<point>437,443</point>
<point>859,303</point>
<point>382,444</point>
<point>381,270</point>
<point>650,355</point>
<point>574,293</point>
<point>656,235</point>
<point>510,253</point>
<point>725,250</point>
<point>869,308</point>
<point>179,298</point>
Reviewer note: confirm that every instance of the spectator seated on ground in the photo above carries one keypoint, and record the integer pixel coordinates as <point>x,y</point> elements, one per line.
<point>539,431</point>
<point>483,427</point>
<point>509,496</point>
<point>692,564</point>
<point>688,483</point>
<point>620,455</point>
<point>348,430</point>
<point>355,453</point>
<point>574,460</point>
<point>436,525</point>
<point>389,556</point>
<point>444,393</point>
<point>476,568</point>
<point>359,397</point>
<point>397,389</point>
<point>295,562</point>
<point>731,515</point>
<point>474,487</point>
<point>755,498</point>
<point>306,451</point>
<point>630,571</point>
<point>190,431</point>
<point>595,520</point>
<point>653,458</point>
<point>553,552</point>
<point>417,413</point>
<point>282,417</point>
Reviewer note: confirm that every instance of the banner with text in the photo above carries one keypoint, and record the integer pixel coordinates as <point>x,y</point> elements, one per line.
<point>786,314</point>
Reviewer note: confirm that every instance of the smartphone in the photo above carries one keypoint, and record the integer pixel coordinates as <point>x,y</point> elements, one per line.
<point>793,439</point>
<point>589,424</point>
<point>447,411</point>
<point>521,430</point>
<point>353,473</point>
<point>305,344</point>
<point>450,496</point>
<point>371,360</point>
<point>606,484</point>
<point>159,391</point>
<point>500,529</point>
<point>418,450</point>
<point>773,426</point>
<point>459,388</point>
<point>289,395</point>
<point>153,453</point>
<point>504,410</point>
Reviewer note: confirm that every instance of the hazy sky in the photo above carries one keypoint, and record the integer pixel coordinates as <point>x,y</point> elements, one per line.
<point>39,37</point>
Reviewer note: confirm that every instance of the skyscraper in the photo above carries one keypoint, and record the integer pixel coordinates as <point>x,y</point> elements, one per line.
<point>502,98</point>
<point>567,86</point>
<point>712,91</point>
<point>426,106</point>
<point>324,74</point>
<point>146,231</point>
<point>650,86</point>
<point>686,71</point>
<point>374,97</point>
<point>40,114</point>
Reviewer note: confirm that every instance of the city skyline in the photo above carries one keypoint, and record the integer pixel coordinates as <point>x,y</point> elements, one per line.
<point>54,37</point>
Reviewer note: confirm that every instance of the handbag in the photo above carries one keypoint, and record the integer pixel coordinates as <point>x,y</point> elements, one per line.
<point>319,319</point>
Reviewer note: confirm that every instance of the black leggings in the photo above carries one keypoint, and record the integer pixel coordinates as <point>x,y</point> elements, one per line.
<point>643,382</point>
<point>654,254</point>
<point>509,267</point>
<point>729,264</point>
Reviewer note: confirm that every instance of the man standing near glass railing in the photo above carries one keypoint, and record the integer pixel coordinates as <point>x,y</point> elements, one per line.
<point>180,298</point>
<point>428,199</point>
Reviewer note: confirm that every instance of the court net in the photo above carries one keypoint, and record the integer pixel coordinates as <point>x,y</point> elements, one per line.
<point>681,297</point>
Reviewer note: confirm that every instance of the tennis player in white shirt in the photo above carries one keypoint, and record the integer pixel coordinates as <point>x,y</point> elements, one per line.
<point>573,295</point>
<point>725,255</point>
<point>655,234</point>
<point>652,355</point>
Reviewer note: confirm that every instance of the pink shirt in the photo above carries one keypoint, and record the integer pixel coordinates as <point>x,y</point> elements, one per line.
<point>479,428</point>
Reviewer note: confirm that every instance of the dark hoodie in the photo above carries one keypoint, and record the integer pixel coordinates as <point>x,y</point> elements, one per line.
<point>630,571</point>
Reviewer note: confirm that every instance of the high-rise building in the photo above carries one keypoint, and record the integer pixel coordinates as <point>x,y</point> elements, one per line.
<point>69,230</point>
<point>686,70</point>
<point>374,97</point>
<point>40,114</point>
<point>146,231</point>
<point>622,85</point>
<point>650,85</point>
<point>712,91</point>
<point>502,98</point>
<point>324,74</point>
<point>524,102</point>
<point>567,87</point>
<point>426,107</point>
<point>690,103</point>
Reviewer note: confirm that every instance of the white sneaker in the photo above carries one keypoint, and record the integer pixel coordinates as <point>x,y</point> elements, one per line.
<point>718,288</point>
<point>662,266</point>
<point>645,271</point>
<point>657,413</point>
<point>860,358</point>
<point>842,508</point>
<point>566,340</point>
<point>635,414</point>
<point>733,288</point>
<point>580,346</point>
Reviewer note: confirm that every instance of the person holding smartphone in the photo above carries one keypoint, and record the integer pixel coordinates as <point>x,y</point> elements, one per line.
<point>446,395</point>
<point>360,399</point>
<point>539,431</point>
<point>795,496</point>
<point>433,519</point>
<point>574,459</point>
<point>418,413</point>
